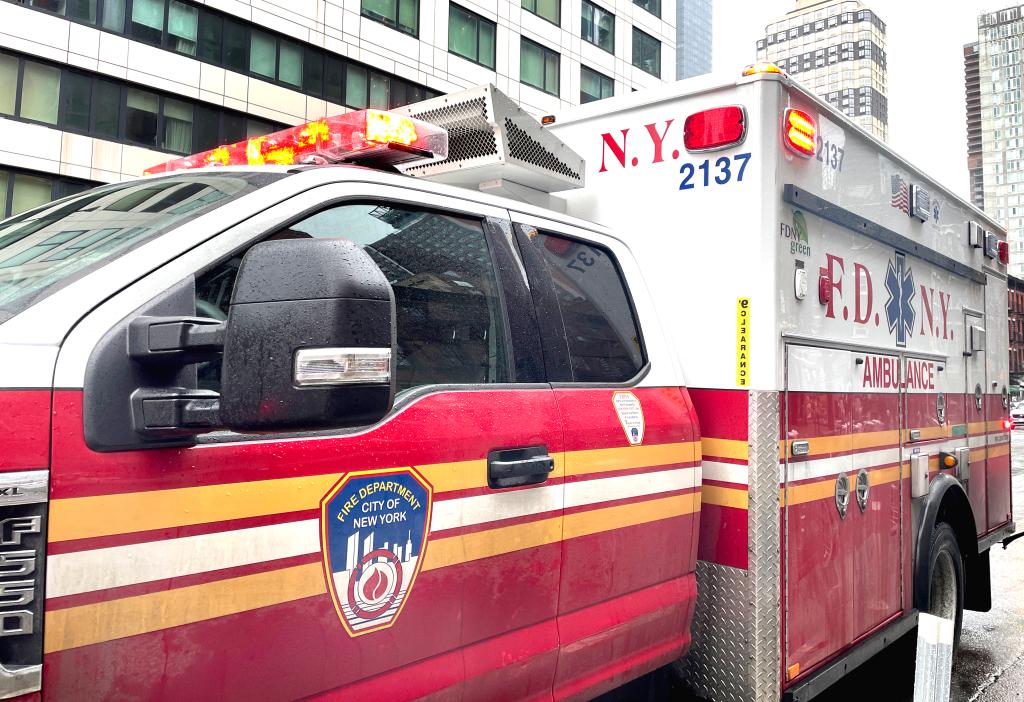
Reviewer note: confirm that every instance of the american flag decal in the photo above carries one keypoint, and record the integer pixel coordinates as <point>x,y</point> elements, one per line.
<point>900,194</point>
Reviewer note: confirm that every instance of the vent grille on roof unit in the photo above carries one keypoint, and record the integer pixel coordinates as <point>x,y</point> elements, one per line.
<point>521,146</point>
<point>491,139</point>
<point>469,133</point>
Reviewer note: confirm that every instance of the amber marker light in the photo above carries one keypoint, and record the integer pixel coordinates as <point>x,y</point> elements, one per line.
<point>799,132</point>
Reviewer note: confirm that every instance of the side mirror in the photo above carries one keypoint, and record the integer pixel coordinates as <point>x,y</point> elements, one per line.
<point>308,344</point>
<point>309,338</point>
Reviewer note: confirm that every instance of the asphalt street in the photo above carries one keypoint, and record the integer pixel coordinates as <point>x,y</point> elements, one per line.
<point>988,668</point>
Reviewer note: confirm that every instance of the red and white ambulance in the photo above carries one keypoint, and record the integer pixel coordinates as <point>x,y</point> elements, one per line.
<point>704,371</point>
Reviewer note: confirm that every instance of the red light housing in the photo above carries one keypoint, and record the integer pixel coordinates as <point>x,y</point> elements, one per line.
<point>371,137</point>
<point>1004,253</point>
<point>1007,424</point>
<point>799,132</point>
<point>716,128</point>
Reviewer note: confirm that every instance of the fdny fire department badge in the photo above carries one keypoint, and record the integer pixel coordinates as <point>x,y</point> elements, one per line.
<point>373,527</point>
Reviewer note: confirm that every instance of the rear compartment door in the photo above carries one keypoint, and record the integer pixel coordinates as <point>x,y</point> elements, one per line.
<point>975,400</point>
<point>224,570</point>
<point>842,500</point>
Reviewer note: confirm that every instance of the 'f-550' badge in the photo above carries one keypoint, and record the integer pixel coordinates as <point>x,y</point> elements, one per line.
<point>373,527</point>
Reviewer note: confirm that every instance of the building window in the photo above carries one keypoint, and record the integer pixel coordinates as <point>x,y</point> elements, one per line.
<point>652,6</point>
<point>598,27</point>
<point>40,92</point>
<point>539,66</point>
<point>646,53</point>
<point>219,39</point>
<point>594,85</point>
<point>23,190</point>
<point>471,36</point>
<point>402,15</point>
<point>91,105</point>
<point>550,10</point>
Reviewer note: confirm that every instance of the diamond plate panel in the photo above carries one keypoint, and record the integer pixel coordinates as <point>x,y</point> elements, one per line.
<point>736,637</point>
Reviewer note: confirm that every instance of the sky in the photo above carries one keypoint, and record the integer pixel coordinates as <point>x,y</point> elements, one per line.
<point>927,117</point>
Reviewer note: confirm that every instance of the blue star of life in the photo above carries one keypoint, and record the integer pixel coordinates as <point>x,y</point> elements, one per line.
<point>899,312</point>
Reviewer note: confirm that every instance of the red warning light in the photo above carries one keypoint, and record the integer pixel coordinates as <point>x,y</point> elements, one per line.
<point>716,128</point>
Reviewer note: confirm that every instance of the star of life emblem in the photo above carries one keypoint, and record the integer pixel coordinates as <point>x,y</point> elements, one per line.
<point>899,309</point>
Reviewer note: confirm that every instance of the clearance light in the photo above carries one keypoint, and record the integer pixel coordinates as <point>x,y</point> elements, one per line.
<point>1004,253</point>
<point>716,128</point>
<point>370,137</point>
<point>799,132</point>
<point>1007,424</point>
<point>761,67</point>
<point>948,461</point>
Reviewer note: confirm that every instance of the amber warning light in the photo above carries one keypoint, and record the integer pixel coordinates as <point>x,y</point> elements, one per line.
<point>799,132</point>
<point>367,137</point>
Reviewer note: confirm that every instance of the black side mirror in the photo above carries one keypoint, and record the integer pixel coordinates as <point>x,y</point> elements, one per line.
<point>308,344</point>
<point>309,338</point>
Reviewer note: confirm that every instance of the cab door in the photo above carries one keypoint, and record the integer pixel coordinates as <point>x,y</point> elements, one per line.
<point>218,570</point>
<point>627,588</point>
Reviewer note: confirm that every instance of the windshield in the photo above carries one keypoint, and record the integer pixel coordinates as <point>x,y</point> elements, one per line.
<point>44,249</point>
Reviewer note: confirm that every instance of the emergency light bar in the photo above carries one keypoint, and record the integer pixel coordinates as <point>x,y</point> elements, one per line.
<point>368,137</point>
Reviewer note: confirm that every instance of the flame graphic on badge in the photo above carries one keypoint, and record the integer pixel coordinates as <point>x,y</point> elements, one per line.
<point>376,585</point>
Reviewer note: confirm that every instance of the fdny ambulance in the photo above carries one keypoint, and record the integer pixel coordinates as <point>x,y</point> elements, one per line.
<point>444,404</point>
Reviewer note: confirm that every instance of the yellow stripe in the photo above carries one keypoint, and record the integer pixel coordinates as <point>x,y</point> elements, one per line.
<point>609,459</point>
<point>103,621</point>
<point>725,448</point>
<point>723,496</point>
<point>826,488</point>
<point>621,516</point>
<point>130,616</point>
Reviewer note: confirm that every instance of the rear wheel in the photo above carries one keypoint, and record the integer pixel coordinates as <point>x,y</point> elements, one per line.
<point>946,578</point>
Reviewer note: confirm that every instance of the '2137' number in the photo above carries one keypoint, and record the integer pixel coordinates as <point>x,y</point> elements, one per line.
<point>724,166</point>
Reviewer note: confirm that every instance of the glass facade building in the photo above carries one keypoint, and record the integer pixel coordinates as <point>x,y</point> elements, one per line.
<point>693,38</point>
<point>836,48</point>
<point>103,89</point>
<point>1000,64</point>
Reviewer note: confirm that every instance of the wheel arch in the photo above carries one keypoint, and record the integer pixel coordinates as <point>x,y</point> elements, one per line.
<point>947,502</point>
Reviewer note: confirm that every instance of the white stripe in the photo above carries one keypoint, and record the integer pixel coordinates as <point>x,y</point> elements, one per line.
<point>726,472</point>
<point>117,566</point>
<point>86,571</point>
<point>824,467</point>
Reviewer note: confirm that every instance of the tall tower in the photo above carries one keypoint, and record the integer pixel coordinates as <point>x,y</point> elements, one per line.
<point>836,48</point>
<point>1002,124</point>
<point>693,38</point>
<point>972,86</point>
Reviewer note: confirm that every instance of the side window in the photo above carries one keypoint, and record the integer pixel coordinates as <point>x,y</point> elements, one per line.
<point>604,343</point>
<point>450,324</point>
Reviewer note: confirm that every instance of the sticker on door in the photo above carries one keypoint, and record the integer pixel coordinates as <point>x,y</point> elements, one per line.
<point>631,416</point>
<point>374,528</point>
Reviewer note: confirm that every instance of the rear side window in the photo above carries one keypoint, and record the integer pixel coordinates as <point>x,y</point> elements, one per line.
<point>601,330</point>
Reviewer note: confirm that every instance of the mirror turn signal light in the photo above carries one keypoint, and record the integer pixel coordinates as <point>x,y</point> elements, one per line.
<point>800,132</point>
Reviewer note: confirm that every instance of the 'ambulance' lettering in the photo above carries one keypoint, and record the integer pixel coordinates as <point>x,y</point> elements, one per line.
<point>883,372</point>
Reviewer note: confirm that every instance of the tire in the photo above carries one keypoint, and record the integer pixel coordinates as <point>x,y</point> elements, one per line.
<point>946,578</point>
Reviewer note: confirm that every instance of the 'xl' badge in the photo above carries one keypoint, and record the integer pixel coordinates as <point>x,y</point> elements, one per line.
<point>374,529</point>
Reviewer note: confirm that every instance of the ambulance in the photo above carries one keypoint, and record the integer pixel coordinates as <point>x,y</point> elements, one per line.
<point>446,404</point>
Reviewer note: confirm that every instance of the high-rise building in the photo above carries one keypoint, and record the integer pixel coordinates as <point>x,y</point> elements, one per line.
<point>1000,63</point>
<point>93,91</point>
<point>972,87</point>
<point>837,49</point>
<point>693,33</point>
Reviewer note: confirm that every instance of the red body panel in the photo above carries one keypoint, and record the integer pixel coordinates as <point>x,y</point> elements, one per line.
<point>512,625</point>
<point>25,429</point>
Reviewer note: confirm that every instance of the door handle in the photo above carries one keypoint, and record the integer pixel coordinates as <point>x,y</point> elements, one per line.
<point>507,468</point>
